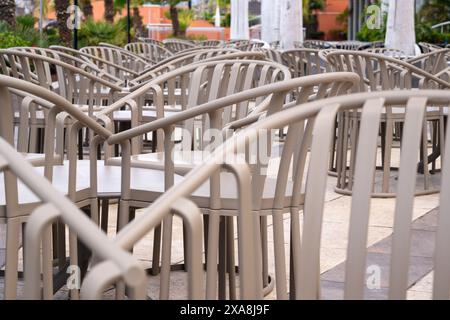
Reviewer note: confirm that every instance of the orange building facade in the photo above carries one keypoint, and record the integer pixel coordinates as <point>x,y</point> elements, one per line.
<point>327,18</point>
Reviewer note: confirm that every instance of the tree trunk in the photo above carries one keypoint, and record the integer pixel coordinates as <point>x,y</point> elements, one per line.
<point>400,31</point>
<point>175,22</point>
<point>109,10</point>
<point>137,23</point>
<point>291,26</point>
<point>87,8</point>
<point>62,17</point>
<point>8,12</point>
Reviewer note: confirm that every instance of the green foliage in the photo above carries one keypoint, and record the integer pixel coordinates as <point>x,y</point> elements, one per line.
<point>24,34</point>
<point>9,39</point>
<point>370,35</point>
<point>434,11</point>
<point>26,21</point>
<point>200,37</point>
<point>226,20</point>
<point>424,33</point>
<point>92,33</point>
<point>185,19</point>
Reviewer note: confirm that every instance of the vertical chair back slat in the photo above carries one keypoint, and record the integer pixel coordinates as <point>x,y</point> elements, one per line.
<point>441,279</point>
<point>398,277</point>
<point>360,209</point>
<point>314,203</point>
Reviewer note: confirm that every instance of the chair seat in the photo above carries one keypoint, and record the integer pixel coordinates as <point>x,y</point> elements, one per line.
<point>147,115</point>
<point>229,193</point>
<point>184,161</point>
<point>148,184</point>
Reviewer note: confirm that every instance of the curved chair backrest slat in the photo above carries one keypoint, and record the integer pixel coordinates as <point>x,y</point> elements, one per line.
<point>71,59</point>
<point>319,117</point>
<point>118,56</point>
<point>196,57</point>
<point>432,62</point>
<point>197,83</point>
<point>211,43</point>
<point>394,53</point>
<point>153,41</point>
<point>304,62</point>
<point>428,47</point>
<point>74,84</point>
<point>379,72</point>
<point>58,206</point>
<point>177,45</point>
<point>149,51</point>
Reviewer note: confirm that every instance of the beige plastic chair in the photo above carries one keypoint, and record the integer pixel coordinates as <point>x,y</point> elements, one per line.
<point>72,60</point>
<point>244,45</point>
<point>149,51</point>
<point>153,41</point>
<point>273,55</point>
<point>217,201</point>
<point>315,44</point>
<point>346,45</point>
<point>428,47</point>
<point>80,86</point>
<point>371,45</point>
<point>68,176</point>
<point>109,67</point>
<point>146,194</point>
<point>379,72</point>
<point>117,265</point>
<point>196,57</point>
<point>211,43</point>
<point>303,62</point>
<point>75,84</point>
<point>177,45</point>
<point>433,62</point>
<point>189,53</point>
<point>118,56</point>
<point>306,242</point>
<point>394,53</point>
<point>126,52</point>
<point>195,84</point>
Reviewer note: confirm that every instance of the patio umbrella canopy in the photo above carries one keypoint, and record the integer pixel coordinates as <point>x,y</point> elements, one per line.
<point>239,20</point>
<point>400,31</point>
<point>270,20</point>
<point>291,23</point>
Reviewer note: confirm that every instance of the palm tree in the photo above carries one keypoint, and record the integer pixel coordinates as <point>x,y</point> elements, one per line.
<point>8,12</point>
<point>62,16</point>
<point>173,10</point>
<point>86,6</point>
<point>137,22</point>
<point>109,10</point>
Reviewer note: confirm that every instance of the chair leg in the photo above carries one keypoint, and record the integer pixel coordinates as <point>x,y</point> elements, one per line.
<point>222,259</point>
<point>105,213</point>
<point>12,256</point>
<point>47,264</point>
<point>231,258</point>
<point>156,250</point>
<point>165,259</point>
